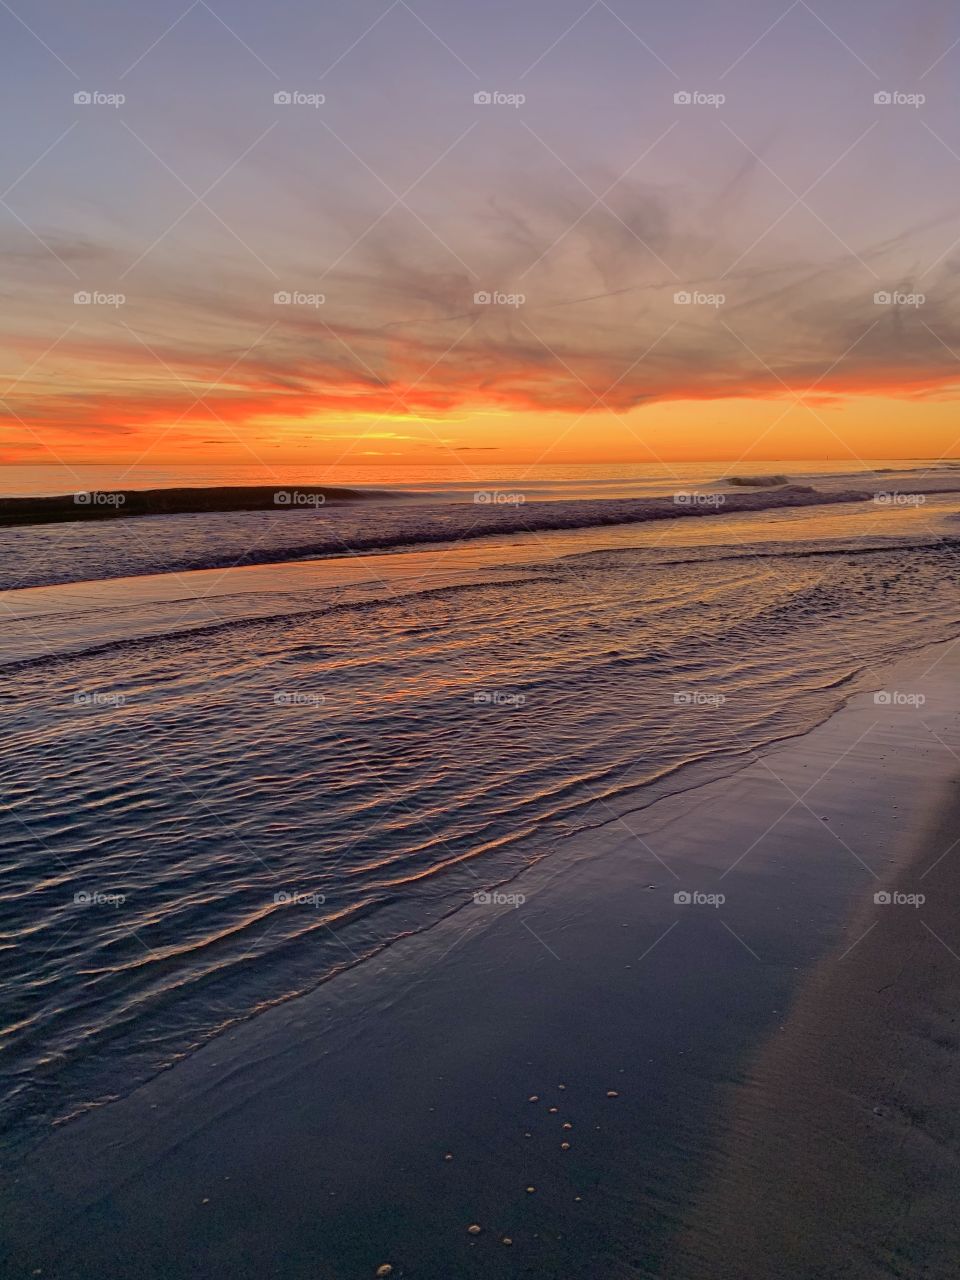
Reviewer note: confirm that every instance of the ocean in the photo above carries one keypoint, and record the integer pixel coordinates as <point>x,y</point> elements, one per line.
<point>244,752</point>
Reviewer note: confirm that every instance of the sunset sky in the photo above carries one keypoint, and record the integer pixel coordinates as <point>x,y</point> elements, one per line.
<point>588,208</point>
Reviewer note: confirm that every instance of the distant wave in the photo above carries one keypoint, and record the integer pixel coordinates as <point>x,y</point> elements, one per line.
<point>125,504</point>
<point>756,482</point>
<point>183,543</point>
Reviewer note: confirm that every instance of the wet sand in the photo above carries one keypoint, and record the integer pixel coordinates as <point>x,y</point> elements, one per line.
<point>842,1156</point>
<point>314,1140</point>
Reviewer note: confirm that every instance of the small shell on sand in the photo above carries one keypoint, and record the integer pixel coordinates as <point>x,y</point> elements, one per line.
<point>385,1270</point>
<point>474,1229</point>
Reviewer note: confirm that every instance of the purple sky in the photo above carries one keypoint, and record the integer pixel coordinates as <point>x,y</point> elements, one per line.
<point>599,198</point>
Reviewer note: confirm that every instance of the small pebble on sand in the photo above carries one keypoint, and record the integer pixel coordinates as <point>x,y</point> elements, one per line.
<point>531,1190</point>
<point>448,1156</point>
<point>506,1240</point>
<point>533,1098</point>
<point>385,1270</point>
<point>567,1124</point>
<point>564,1146</point>
<point>474,1229</point>
<point>612,1093</point>
<point>553,1110</point>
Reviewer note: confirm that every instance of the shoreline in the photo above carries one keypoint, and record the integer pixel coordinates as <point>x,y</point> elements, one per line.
<point>325,1122</point>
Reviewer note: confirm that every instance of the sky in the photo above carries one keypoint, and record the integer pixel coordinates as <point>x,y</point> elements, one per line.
<point>543,231</point>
